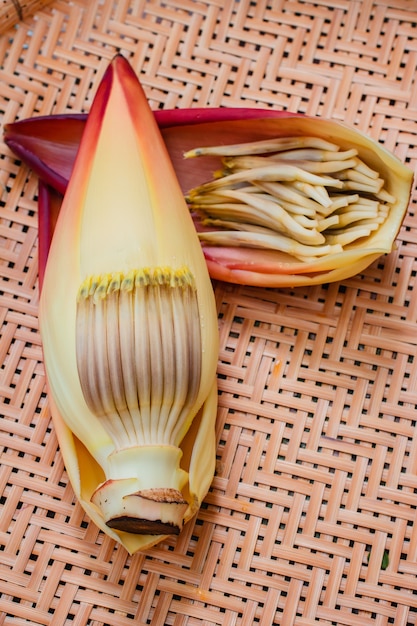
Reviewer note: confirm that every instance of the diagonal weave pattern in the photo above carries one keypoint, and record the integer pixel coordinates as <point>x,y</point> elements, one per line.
<point>311,514</point>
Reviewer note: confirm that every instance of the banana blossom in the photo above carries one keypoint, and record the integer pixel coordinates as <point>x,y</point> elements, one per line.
<point>49,145</point>
<point>129,327</point>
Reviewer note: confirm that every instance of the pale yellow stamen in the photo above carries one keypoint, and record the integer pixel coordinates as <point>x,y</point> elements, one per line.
<point>298,195</point>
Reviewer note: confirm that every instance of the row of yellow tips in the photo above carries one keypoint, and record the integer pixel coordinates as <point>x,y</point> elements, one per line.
<point>100,286</point>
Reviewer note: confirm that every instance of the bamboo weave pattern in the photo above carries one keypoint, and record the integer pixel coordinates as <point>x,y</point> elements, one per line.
<point>311,515</point>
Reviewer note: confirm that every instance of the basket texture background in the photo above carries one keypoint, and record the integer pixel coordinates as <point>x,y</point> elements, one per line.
<point>311,515</point>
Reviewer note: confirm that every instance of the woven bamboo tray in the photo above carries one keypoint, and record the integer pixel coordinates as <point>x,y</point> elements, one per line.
<point>311,514</point>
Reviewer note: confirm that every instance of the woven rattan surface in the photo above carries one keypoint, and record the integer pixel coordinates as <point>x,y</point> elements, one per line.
<point>311,515</point>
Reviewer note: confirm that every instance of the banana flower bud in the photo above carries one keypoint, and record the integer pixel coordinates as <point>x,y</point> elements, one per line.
<point>129,327</point>
<point>234,250</point>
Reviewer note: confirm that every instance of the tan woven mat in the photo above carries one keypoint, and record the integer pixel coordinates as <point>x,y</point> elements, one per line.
<point>311,515</point>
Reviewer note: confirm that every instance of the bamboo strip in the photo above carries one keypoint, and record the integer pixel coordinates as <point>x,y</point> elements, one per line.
<point>14,11</point>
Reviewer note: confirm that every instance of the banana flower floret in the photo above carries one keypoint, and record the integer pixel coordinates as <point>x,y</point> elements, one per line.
<point>319,206</point>
<point>129,327</point>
